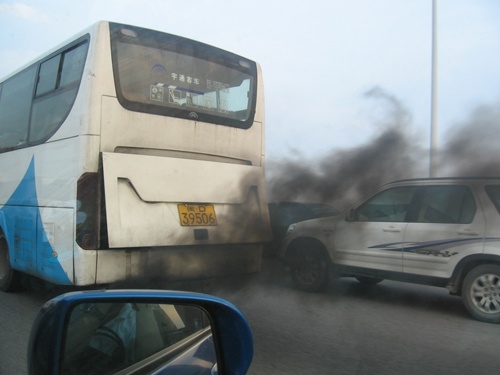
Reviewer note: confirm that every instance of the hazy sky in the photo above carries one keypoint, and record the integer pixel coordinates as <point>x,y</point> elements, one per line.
<point>319,58</point>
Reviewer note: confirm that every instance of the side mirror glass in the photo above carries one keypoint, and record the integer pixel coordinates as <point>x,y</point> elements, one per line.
<point>351,214</point>
<point>106,337</point>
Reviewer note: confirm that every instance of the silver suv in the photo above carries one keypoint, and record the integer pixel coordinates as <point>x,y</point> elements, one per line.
<point>442,232</point>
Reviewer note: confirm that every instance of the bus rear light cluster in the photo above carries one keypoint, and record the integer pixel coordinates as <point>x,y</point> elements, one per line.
<point>87,215</point>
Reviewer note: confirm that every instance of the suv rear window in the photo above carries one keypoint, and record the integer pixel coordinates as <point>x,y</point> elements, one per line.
<point>446,205</point>
<point>493,192</point>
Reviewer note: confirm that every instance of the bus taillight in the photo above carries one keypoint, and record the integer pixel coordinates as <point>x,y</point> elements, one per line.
<point>87,214</point>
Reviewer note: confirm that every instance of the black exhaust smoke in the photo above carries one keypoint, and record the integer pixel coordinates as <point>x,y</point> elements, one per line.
<point>343,176</point>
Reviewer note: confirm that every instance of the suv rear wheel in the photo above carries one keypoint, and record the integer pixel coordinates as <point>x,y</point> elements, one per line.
<point>310,269</point>
<point>481,293</point>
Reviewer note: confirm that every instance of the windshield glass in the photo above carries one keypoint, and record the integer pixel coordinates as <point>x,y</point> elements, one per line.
<point>172,76</point>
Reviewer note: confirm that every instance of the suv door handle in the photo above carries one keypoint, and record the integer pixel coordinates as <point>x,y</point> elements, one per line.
<point>468,232</point>
<point>392,229</point>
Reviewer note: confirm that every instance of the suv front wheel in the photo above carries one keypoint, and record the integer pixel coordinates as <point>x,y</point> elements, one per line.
<point>481,293</point>
<point>310,268</point>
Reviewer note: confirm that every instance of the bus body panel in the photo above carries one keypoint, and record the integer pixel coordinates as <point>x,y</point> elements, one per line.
<point>55,245</point>
<point>85,266</point>
<point>34,231</point>
<point>173,137</point>
<point>142,209</point>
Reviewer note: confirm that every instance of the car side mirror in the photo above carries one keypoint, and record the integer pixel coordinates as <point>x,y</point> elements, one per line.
<point>351,215</point>
<point>137,332</point>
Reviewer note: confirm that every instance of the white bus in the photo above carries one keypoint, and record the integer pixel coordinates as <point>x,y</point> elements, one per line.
<point>128,152</point>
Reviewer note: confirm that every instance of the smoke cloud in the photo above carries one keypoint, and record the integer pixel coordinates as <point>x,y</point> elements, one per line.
<point>344,176</point>
<point>472,146</point>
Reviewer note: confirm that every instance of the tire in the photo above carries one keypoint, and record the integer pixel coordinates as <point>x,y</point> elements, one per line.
<point>481,293</point>
<point>368,280</point>
<point>310,269</point>
<point>8,276</point>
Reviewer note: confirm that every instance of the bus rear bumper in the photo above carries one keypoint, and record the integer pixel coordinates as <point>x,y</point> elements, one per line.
<point>177,263</point>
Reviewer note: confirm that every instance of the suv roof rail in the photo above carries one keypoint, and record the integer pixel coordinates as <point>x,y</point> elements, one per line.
<point>446,178</point>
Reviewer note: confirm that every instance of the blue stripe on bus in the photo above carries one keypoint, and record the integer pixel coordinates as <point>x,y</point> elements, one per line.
<point>30,250</point>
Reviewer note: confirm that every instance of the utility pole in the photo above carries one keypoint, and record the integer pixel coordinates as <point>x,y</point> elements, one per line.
<point>433,159</point>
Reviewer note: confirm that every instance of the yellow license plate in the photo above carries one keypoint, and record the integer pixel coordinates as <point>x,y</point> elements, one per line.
<point>197,215</point>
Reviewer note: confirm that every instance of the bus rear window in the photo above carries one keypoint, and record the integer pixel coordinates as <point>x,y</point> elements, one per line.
<point>172,76</point>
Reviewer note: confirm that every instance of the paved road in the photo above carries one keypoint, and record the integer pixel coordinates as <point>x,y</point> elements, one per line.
<point>17,311</point>
<point>390,328</point>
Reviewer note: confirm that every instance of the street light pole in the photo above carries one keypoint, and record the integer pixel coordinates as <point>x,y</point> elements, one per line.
<point>434,125</point>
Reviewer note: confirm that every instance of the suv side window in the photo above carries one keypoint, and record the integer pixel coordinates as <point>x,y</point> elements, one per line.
<point>446,205</point>
<point>391,205</point>
<point>493,192</point>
